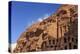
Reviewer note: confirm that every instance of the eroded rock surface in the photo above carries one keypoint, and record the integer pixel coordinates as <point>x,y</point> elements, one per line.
<point>57,32</point>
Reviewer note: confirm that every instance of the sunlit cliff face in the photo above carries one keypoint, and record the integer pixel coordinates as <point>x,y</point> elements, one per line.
<point>57,32</point>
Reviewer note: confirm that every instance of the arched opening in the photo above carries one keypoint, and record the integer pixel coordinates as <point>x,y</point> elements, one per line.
<point>65,47</point>
<point>70,46</point>
<point>43,46</point>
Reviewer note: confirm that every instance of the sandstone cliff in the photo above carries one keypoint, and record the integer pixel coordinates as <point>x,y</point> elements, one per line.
<point>57,32</point>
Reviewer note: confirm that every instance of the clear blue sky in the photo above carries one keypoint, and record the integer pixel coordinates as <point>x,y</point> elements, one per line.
<point>24,13</point>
